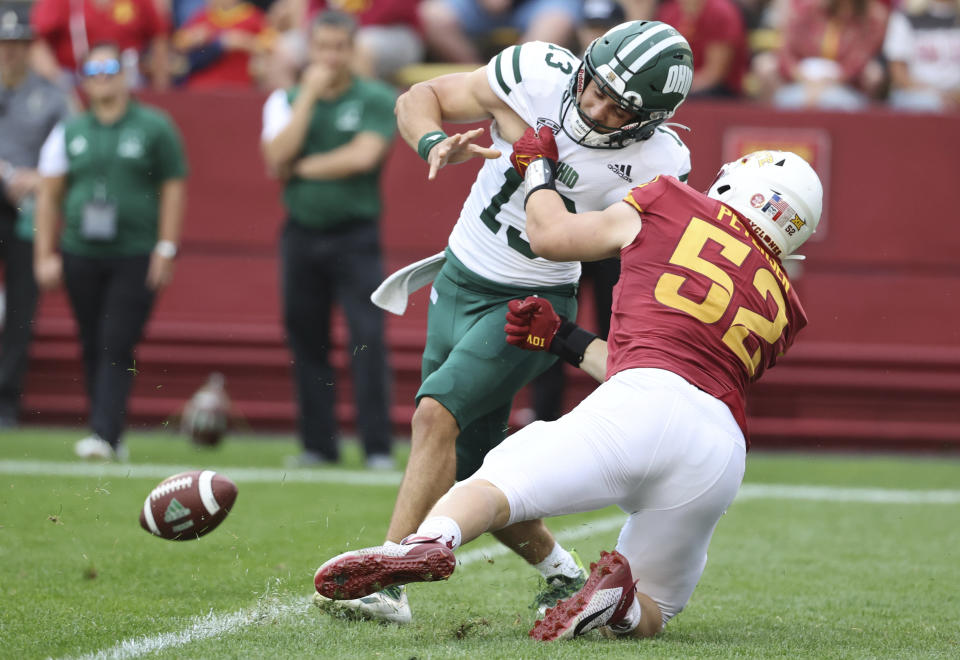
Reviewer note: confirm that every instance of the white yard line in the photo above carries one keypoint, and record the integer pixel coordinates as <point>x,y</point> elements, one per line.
<point>392,478</point>
<point>238,474</point>
<point>216,625</point>
<point>205,627</point>
<point>838,494</point>
<point>367,478</point>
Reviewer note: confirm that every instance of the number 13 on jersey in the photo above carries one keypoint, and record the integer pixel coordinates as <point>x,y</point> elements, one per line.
<point>721,291</point>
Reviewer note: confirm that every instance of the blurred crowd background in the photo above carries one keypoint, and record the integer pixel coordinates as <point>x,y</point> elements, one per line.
<point>837,54</point>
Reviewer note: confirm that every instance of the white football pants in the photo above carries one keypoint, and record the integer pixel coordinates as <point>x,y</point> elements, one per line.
<point>668,454</point>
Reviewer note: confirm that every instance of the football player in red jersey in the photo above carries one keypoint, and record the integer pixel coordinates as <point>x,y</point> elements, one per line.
<point>702,308</point>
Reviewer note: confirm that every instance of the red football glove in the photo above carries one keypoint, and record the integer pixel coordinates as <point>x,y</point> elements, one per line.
<point>531,323</point>
<point>532,146</point>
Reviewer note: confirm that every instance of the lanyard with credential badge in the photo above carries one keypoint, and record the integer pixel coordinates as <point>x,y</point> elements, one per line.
<point>100,213</point>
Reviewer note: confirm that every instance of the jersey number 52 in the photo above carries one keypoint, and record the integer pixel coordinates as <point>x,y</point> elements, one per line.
<point>712,308</point>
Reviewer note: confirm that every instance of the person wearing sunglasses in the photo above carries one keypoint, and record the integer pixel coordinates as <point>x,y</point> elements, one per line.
<point>115,176</point>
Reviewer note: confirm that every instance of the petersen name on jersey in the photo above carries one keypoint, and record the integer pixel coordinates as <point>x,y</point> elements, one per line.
<point>490,235</point>
<point>699,295</point>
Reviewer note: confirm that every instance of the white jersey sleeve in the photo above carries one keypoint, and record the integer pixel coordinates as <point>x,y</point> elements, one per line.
<point>526,75</point>
<point>898,43</point>
<point>53,153</point>
<point>678,154</point>
<point>276,115</point>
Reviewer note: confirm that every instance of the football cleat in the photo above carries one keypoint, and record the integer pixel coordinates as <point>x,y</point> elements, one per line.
<point>93,448</point>
<point>557,587</point>
<point>390,605</point>
<point>604,600</point>
<point>359,573</point>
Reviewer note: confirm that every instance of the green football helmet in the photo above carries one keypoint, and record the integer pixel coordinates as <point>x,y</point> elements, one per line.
<point>645,66</point>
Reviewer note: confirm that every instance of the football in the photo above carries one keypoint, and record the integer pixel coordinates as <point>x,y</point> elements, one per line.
<point>188,505</point>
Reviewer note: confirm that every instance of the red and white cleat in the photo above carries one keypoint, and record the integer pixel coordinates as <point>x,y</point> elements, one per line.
<point>603,601</point>
<point>359,573</point>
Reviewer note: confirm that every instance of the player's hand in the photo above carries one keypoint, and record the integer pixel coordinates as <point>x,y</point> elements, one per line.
<point>189,38</point>
<point>532,146</point>
<point>531,323</point>
<point>24,182</point>
<point>238,40</point>
<point>48,271</point>
<point>160,272</point>
<point>458,148</point>
<point>316,79</point>
<point>496,6</point>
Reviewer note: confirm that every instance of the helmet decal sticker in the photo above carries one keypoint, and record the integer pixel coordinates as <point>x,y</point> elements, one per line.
<point>679,79</point>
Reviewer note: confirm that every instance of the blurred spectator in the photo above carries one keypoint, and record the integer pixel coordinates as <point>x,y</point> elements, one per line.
<point>220,43</point>
<point>388,37</point>
<point>827,58</point>
<point>639,10</point>
<point>761,14</point>
<point>116,176</point>
<point>30,106</point>
<point>715,31</point>
<point>599,16</point>
<point>68,29</point>
<point>453,28</point>
<point>182,11</point>
<point>328,139</point>
<point>922,48</point>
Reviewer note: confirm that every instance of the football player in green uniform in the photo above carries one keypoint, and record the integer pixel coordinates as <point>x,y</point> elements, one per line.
<point>607,113</point>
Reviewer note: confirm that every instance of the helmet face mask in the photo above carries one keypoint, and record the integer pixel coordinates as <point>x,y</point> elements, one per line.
<point>645,67</point>
<point>777,193</point>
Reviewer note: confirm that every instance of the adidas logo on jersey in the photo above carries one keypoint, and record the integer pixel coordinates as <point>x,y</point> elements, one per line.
<point>622,171</point>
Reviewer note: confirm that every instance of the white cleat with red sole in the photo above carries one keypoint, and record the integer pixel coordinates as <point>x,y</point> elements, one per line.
<point>603,601</point>
<point>359,573</point>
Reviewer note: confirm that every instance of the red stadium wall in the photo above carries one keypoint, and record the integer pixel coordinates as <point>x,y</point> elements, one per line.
<point>879,365</point>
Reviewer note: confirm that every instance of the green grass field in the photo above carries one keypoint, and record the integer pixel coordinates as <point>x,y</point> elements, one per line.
<point>864,562</point>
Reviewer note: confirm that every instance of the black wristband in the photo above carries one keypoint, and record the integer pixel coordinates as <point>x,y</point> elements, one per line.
<point>571,341</point>
<point>541,173</point>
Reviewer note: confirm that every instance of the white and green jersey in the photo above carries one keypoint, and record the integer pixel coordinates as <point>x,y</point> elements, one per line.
<point>490,235</point>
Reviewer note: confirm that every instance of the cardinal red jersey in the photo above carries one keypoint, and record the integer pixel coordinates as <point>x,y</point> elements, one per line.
<point>372,12</point>
<point>233,67</point>
<point>699,296</point>
<point>127,23</point>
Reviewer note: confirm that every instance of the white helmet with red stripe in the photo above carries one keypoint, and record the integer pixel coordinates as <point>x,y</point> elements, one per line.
<point>777,192</point>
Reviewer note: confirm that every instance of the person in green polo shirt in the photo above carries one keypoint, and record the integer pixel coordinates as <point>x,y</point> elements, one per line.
<point>327,139</point>
<point>115,174</point>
